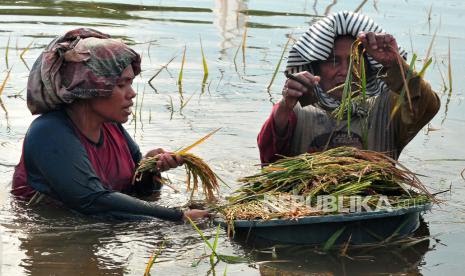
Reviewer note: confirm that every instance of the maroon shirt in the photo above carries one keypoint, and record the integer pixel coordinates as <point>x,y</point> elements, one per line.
<point>110,158</point>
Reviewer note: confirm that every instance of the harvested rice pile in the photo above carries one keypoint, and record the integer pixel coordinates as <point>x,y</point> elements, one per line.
<point>345,174</point>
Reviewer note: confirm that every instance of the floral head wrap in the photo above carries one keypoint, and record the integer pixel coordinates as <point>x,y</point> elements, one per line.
<point>82,64</point>
<point>317,45</point>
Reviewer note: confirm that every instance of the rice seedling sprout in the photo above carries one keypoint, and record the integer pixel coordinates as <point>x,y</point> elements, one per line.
<point>430,47</point>
<point>230,259</point>
<point>205,67</point>
<point>7,51</point>
<point>158,72</point>
<point>2,87</point>
<point>357,9</point>
<point>449,70</point>
<point>330,242</point>
<point>405,80</point>
<point>244,38</point>
<point>23,52</point>
<point>171,108</point>
<point>181,97</point>
<point>153,258</point>
<point>279,63</point>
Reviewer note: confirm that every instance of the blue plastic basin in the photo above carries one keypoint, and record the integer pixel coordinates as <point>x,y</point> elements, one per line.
<point>359,228</point>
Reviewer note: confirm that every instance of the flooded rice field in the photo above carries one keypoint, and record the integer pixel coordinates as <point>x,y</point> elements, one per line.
<point>234,96</point>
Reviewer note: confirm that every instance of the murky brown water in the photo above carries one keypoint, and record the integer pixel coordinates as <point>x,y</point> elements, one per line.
<point>47,241</point>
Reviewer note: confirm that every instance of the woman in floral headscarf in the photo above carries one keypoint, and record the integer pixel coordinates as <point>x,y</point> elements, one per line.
<point>319,62</point>
<point>77,151</point>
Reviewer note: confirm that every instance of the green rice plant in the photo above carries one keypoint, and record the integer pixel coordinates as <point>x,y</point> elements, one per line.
<point>444,85</point>
<point>153,258</point>
<point>2,105</point>
<point>229,259</point>
<point>279,63</point>
<point>330,242</point>
<point>345,247</point>
<point>449,70</point>
<point>328,8</point>
<point>405,91</point>
<point>214,262</point>
<point>181,96</point>
<point>23,52</point>
<point>205,67</point>
<point>406,78</point>
<point>430,47</point>
<point>360,6</point>
<point>356,75</point>
<point>148,50</point>
<point>411,41</point>
<point>140,106</point>
<point>425,66</point>
<point>235,56</point>
<point>7,49</point>
<point>243,47</point>
<point>2,87</point>
<point>171,108</point>
<point>396,232</point>
<point>182,67</point>
<point>158,72</point>
<point>184,103</point>
<point>36,198</point>
<point>429,16</point>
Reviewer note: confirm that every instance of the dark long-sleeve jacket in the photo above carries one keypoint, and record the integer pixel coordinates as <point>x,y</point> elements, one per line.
<point>91,178</point>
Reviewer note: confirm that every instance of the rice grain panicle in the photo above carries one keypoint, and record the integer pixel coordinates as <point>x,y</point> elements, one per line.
<point>196,170</point>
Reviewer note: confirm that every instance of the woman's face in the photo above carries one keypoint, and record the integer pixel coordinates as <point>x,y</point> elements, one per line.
<point>118,106</point>
<point>333,71</point>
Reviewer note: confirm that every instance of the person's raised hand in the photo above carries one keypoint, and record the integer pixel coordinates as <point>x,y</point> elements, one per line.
<point>166,160</point>
<point>299,85</point>
<point>381,47</point>
<point>195,214</point>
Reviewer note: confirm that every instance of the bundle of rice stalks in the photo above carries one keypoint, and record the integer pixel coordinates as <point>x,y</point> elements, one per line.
<point>196,169</point>
<point>342,172</point>
<point>354,87</point>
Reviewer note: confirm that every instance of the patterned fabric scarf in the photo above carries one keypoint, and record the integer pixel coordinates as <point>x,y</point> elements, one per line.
<point>82,64</point>
<point>317,45</point>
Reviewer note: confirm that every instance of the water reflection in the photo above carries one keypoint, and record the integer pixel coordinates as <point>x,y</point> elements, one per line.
<point>397,257</point>
<point>63,242</point>
<point>101,10</point>
<point>229,21</point>
<point>57,240</point>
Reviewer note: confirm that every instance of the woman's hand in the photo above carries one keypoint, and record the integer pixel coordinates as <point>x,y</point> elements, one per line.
<point>195,214</point>
<point>297,87</point>
<point>166,160</point>
<point>300,84</point>
<point>381,47</point>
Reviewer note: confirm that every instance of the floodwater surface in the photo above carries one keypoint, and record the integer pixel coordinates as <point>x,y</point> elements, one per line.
<point>234,96</point>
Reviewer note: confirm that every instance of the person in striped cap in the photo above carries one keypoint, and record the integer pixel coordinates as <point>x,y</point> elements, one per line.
<point>302,120</point>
